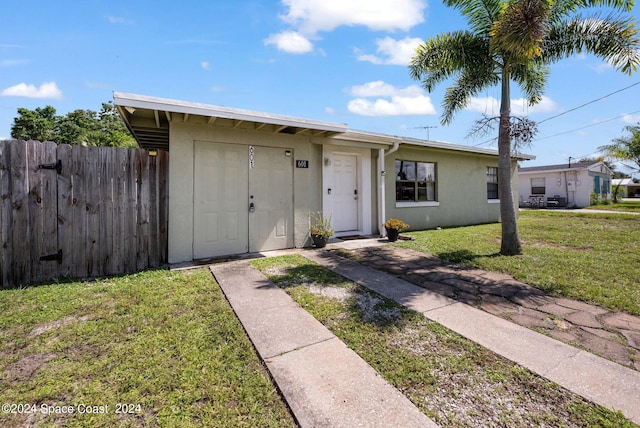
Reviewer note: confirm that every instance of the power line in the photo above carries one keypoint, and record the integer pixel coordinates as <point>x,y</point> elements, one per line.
<point>574,109</point>
<point>590,102</point>
<point>587,126</point>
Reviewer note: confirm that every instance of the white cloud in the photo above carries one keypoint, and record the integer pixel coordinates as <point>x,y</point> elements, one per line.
<point>308,18</point>
<point>119,20</point>
<point>485,105</point>
<point>46,90</point>
<point>392,51</point>
<point>313,16</point>
<point>519,106</point>
<point>290,41</point>
<point>8,46</point>
<point>397,106</point>
<point>379,88</point>
<point>329,110</point>
<point>602,67</point>
<point>389,100</point>
<point>632,119</point>
<point>205,65</point>
<point>13,62</point>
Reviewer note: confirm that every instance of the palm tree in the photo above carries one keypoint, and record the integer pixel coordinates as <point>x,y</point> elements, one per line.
<point>516,40</point>
<point>625,148</point>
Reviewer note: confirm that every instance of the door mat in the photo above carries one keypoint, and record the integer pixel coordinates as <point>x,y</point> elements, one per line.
<point>352,237</point>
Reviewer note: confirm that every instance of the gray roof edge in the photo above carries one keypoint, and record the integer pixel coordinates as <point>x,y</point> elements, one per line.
<point>124,99</point>
<point>391,139</point>
<point>462,148</point>
<point>209,110</point>
<point>578,166</point>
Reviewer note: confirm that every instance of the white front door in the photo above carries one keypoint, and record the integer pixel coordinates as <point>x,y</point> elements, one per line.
<point>343,195</point>
<point>243,199</point>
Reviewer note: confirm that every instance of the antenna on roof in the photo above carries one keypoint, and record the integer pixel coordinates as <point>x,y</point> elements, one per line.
<point>425,127</point>
<point>570,161</point>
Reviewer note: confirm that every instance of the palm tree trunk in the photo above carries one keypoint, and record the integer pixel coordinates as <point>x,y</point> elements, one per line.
<point>510,245</point>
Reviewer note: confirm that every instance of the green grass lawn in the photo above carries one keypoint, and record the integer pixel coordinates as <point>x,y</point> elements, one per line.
<point>451,379</point>
<point>626,205</point>
<point>589,257</point>
<point>165,342</point>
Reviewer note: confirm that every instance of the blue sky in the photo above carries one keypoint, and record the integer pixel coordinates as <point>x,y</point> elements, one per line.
<point>334,60</point>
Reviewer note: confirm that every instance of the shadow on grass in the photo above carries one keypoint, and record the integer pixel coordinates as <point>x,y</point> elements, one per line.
<point>65,279</point>
<point>464,256</point>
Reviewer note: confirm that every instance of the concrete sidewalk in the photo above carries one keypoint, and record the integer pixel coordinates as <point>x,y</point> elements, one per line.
<point>325,383</point>
<point>597,379</point>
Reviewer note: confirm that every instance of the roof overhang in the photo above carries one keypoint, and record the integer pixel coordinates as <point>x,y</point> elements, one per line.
<point>374,140</point>
<point>148,119</point>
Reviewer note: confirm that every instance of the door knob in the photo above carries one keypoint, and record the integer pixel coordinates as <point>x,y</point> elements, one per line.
<point>252,207</point>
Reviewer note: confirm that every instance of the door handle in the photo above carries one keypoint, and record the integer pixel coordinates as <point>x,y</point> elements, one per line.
<point>252,207</point>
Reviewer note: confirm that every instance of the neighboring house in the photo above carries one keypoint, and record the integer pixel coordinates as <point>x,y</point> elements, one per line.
<point>243,181</point>
<point>628,187</point>
<point>563,185</point>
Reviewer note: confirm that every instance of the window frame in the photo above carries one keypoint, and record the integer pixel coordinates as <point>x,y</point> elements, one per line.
<point>429,185</point>
<point>491,183</point>
<point>539,190</point>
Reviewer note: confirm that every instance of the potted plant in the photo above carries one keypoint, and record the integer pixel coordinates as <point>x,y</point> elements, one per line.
<point>321,229</point>
<point>394,227</point>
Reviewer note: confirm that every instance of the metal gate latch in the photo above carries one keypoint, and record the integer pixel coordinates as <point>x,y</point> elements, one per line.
<point>57,166</point>
<point>52,257</point>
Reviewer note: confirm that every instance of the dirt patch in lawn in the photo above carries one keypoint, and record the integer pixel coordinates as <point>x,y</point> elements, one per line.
<point>53,325</point>
<point>27,366</point>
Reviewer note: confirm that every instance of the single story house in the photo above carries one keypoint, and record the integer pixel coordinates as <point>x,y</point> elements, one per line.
<point>629,187</point>
<point>564,185</point>
<point>243,181</point>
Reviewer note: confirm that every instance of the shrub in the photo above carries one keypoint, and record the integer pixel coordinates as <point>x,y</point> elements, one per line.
<point>395,224</point>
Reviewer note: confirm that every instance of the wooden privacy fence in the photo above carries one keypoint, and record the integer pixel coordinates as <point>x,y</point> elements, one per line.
<point>80,212</point>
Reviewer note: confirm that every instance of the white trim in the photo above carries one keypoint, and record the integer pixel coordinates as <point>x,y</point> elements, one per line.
<point>364,164</point>
<point>176,106</point>
<point>493,201</point>
<point>417,204</point>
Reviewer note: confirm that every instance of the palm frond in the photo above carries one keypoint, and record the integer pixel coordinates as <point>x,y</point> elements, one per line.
<point>565,8</point>
<point>480,14</point>
<point>468,84</point>
<point>446,55</point>
<point>531,78</point>
<point>611,38</point>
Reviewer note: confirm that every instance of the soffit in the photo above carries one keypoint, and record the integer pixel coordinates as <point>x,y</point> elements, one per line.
<point>148,119</point>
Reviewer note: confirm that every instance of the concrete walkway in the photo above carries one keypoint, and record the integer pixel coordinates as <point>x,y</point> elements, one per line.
<point>302,355</point>
<point>597,379</point>
<point>613,335</point>
<point>325,383</point>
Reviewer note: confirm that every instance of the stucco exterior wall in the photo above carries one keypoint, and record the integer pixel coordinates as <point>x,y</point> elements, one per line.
<point>461,189</point>
<point>307,182</point>
<point>558,183</point>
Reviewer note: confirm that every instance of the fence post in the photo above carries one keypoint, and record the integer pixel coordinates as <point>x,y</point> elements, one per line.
<point>65,201</point>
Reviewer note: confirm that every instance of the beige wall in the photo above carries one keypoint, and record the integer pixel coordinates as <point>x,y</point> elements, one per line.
<point>461,182</point>
<point>461,189</point>
<point>306,181</point>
